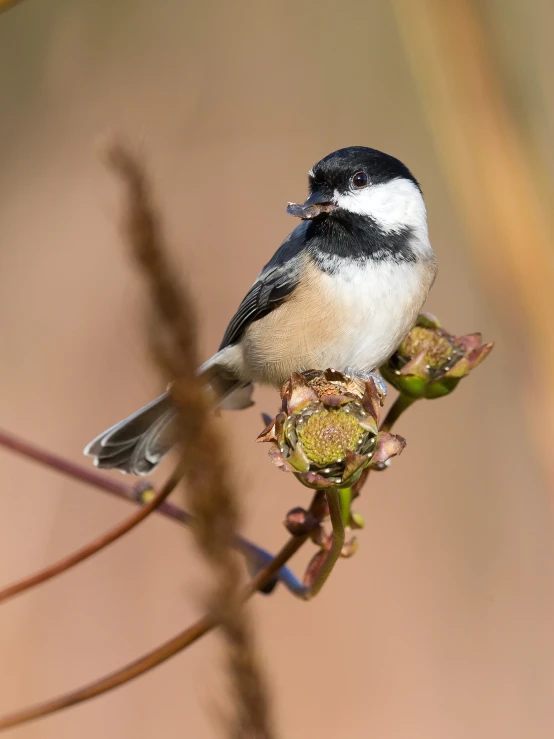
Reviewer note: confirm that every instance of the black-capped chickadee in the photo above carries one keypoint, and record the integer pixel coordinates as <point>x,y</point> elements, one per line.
<point>342,291</point>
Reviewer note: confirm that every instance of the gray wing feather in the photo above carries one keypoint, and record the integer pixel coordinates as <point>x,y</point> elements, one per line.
<point>275,284</point>
<point>138,443</point>
<point>130,430</point>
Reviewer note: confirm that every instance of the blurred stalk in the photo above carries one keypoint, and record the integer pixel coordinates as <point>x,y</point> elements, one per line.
<point>496,189</point>
<point>7,4</point>
<point>212,495</point>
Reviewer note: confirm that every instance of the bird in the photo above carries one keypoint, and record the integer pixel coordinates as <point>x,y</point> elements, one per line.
<point>342,291</point>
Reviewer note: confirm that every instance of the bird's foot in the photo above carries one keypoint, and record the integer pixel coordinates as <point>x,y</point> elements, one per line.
<point>365,376</point>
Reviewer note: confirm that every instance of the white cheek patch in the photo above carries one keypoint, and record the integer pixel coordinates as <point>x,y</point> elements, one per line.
<point>394,205</point>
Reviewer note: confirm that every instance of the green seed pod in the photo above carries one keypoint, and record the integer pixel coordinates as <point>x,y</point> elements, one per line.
<point>430,362</point>
<point>327,432</point>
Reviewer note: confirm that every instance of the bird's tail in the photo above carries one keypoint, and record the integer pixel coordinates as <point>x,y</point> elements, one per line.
<point>138,443</point>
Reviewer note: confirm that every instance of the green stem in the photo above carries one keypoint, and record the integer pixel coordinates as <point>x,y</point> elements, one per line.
<point>402,403</point>
<point>333,500</point>
<point>345,497</point>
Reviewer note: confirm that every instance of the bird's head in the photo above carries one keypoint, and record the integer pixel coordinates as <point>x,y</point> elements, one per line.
<point>364,182</point>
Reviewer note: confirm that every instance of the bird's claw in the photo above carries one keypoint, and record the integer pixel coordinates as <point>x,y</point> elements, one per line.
<point>365,376</point>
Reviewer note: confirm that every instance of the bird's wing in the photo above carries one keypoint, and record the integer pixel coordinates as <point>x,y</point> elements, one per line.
<point>275,284</point>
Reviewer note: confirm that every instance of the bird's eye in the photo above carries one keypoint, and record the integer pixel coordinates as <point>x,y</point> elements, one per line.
<point>360,179</point>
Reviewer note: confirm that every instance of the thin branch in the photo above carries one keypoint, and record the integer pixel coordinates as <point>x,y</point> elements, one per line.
<point>254,554</point>
<point>86,475</point>
<point>96,545</point>
<point>401,404</point>
<point>155,657</point>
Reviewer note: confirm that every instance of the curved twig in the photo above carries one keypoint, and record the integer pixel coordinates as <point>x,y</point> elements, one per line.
<point>96,545</point>
<point>155,657</point>
<point>255,555</point>
<point>325,568</point>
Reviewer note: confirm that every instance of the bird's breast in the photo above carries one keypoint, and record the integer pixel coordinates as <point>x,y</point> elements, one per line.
<point>354,316</point>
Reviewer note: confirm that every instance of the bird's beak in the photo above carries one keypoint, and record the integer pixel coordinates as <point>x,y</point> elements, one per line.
<point>317,204</point>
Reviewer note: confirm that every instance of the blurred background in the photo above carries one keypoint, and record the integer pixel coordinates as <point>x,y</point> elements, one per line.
<point>441,625</point>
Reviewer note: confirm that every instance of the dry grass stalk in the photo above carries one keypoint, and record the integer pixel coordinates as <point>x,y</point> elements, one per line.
<point>498,191</point>
<point>7,4</point>
<point>211,496</point>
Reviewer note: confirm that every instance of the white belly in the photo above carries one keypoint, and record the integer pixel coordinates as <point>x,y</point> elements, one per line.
<point>378,303</point>
<point>354,318</point>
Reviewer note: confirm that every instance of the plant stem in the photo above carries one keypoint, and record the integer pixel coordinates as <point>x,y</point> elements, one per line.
<point>70,469</point>
<point>155,657</point>
<point>97,545</point>
<point>345,497</point>
<point>402,403</point>
<point>333,499</point>
<point>255,555</point>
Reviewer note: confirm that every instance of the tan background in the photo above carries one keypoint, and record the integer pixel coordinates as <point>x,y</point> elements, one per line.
<point>441,626</point>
